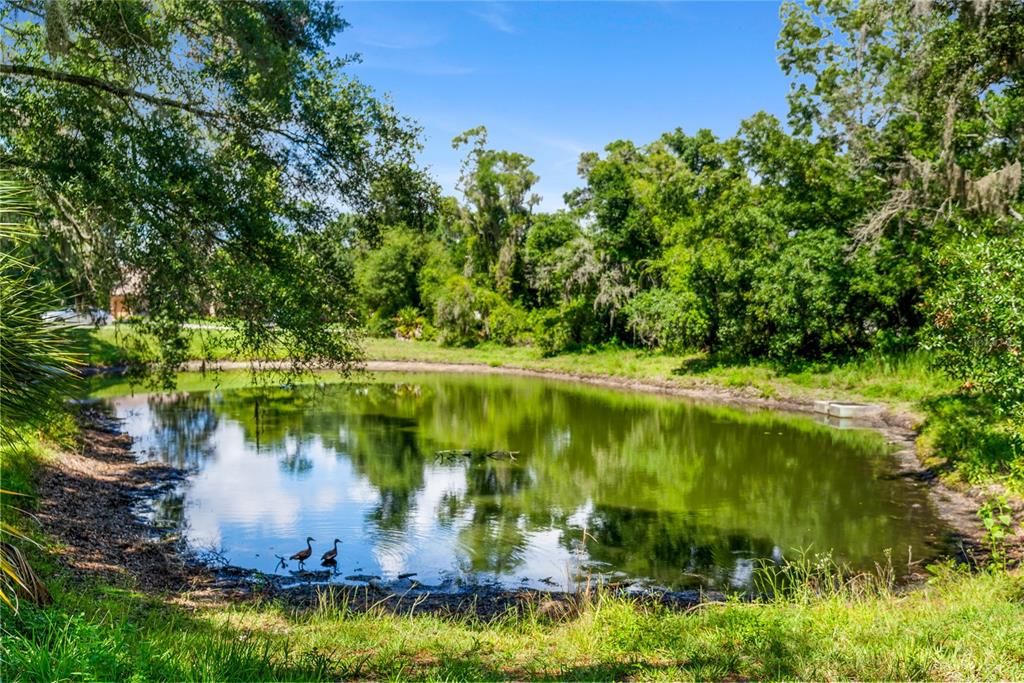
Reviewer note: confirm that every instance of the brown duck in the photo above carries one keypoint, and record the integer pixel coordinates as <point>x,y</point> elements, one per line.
<point>331,555</point>
<point>303,555</point>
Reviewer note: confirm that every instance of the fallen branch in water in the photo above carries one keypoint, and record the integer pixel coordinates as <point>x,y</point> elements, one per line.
<point>455,454</point>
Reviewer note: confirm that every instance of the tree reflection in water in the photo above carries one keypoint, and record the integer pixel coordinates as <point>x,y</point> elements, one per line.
<point>644,486</point>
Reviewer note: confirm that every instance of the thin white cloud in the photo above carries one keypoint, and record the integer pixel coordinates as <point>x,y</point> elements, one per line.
<point>400,39</point>
<point>496,15</point>
<point>567,145</point>
<point>422,66</point>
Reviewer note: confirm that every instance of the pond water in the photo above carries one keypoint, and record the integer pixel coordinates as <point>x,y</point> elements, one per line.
<point>412,473</point>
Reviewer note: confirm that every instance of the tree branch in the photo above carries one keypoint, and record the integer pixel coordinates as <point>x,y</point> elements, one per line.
<point>24,71</point>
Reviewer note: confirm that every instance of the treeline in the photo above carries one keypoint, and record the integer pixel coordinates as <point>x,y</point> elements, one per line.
<point>260,179</point>
<point>886,215</point>
<point>744,246</point>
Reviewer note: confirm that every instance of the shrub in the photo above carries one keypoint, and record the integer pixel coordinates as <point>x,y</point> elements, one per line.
<point>797,305</point>
<point>409,324</point>
<point>461,311</point>
<point>552,333</point>
<point>976,311</point>
<point>665,319</point>
<point>437,270</point>
<point>510,324</point>
<point>35,362</point>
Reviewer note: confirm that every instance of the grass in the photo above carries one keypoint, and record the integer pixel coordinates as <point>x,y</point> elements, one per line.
<point>899,382</point>
<point>960,625</point>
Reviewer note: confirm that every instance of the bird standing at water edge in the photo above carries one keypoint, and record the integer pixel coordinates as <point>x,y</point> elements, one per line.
<point>303,555</point>
<point>331,555</point>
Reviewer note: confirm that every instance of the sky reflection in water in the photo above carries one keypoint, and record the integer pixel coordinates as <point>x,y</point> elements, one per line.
<point>606,483</point>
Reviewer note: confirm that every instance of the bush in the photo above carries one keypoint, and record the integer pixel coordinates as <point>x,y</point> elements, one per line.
<point>665,319</point>
<point>976,311</point>
<point>510,324</point>
<point>35,360</point>
<point>409,324</point>
<point>798,304</point>
<point>552,333</point>
<point>408,270</point>
<point>461,311</point>
<point>571,325</point>
<point>437,270</point>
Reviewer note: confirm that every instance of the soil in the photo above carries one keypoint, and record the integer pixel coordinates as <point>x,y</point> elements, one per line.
<point>91,500</point>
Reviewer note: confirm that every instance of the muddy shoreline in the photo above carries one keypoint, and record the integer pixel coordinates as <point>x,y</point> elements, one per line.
<point>93,501</point>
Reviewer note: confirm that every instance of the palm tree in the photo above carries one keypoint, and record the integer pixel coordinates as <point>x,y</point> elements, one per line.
<point>36,366</point>
<point>35,371</point>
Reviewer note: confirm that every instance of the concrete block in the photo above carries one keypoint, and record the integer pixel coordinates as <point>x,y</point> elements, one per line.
<point>853,410</point>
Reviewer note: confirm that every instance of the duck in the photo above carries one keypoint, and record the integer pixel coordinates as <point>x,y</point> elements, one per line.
<point>303,555</point>
<point>331,555</point>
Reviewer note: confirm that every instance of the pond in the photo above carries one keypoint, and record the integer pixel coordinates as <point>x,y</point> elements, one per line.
<point>515,481</point>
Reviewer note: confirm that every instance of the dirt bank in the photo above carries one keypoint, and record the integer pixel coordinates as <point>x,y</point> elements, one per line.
<point>90,502</point>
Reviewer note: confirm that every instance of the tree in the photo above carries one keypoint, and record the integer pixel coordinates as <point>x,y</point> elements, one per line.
<point>389,276</point>
<point>496,185</point>
<point>977,316</point>
<point>925,100</point>
<point>924,95</point>
<point>189,144</point>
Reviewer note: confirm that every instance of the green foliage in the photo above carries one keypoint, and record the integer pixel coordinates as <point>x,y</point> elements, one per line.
<point>997,517</point>
<point>497,187</point>
<point>573,324</point>
<point>977,316</point>
<point>460,313</point>
<point>188,162</point>
<point>969,432</point>
<point>510,324</point>
<point>389,277</point>
<point>409,324</point>
<point>927,634</point>
<point>660,318</point>
<point>799,299</point>
<point>36,365</point>
<point>553,332</point>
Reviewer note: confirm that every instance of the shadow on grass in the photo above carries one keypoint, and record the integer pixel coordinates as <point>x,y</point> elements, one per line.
<point>699,365</point>
<point>147,640</point>
<point>93,350</point>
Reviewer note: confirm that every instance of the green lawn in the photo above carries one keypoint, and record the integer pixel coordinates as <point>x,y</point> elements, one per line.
<point>897,382</point>
<point>960,626</point>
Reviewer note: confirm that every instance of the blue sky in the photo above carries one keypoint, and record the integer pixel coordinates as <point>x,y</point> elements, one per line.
<point>553,79</point>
